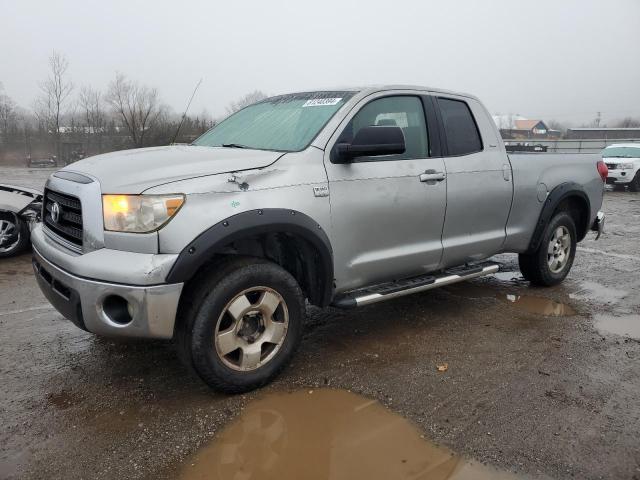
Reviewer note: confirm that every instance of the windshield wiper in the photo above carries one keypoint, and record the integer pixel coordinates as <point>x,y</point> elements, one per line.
<point>234,145</point>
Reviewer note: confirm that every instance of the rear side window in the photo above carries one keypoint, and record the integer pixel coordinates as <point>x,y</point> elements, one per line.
<point>460,127</point>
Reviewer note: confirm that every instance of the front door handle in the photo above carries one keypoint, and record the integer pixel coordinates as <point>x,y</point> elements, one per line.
<point>432,176</point>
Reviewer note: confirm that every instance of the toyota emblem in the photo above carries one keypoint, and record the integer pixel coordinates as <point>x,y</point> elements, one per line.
<point>55,212</point>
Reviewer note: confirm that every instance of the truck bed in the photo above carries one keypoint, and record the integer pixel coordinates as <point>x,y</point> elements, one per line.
<point>534,176</point>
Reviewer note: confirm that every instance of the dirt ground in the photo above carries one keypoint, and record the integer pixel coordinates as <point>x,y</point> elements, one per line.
<point>540,382</point>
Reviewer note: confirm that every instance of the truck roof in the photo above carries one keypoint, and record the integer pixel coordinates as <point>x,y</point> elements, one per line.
<point>369,89</point>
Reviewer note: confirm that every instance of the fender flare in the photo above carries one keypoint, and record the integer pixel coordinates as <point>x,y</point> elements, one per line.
<point>250,223</point>
<point>557,195</point>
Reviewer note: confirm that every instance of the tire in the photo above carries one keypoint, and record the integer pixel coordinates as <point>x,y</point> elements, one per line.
<point>207,331</point>
<point>634,186</point>
<point>14,235</point>
<point>539,267</point>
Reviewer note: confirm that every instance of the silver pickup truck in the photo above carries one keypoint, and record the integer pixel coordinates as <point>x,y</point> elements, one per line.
<point>342,198</point>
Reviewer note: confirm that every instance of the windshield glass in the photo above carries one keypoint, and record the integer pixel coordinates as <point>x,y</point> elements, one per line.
<point>621,152</point>
<point>285,123</point>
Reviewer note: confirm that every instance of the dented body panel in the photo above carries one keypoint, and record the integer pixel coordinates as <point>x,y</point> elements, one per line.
<point>15,199</point>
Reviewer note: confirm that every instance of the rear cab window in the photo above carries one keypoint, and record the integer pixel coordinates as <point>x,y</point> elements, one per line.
<point>462,136</point>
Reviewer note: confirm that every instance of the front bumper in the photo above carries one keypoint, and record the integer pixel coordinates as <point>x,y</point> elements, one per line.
<point>107,308</point>
<point>598,224</point>
<point>619,177</point>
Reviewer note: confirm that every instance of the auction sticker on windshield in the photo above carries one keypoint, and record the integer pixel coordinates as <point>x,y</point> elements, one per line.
<point>321,102</point>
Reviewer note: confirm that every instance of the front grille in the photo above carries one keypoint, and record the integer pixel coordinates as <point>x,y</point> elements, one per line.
<point>69,218</point>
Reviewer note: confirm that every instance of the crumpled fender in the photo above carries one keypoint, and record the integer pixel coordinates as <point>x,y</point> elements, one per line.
<point>15,199</point>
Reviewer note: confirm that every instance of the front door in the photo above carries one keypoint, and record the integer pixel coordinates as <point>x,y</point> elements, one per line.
<point>387,212</point>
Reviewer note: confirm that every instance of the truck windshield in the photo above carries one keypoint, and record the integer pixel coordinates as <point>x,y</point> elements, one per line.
<point>286,123</point>
<point>621,152</point>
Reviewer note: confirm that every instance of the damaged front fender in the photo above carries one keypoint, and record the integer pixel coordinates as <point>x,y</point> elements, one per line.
<point>17,199</point>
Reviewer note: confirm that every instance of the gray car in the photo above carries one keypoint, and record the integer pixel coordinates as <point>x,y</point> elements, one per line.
<point>19,206</point>
<point>346,198</point>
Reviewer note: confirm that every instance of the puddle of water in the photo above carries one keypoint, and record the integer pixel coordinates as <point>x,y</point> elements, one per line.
<point>625,325</point>
<point>326,434</point>
<point>527,303</point>
<point>509,276</point>
<point>600,293</point>
<point>538,305</point>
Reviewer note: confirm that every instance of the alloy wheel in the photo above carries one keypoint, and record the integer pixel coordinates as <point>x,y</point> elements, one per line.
<point>9,236</point>
<point>559,249</point>
<point>251,328</point>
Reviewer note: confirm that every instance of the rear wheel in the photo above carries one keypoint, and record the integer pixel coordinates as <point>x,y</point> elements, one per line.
<point>550,264</point>
<point>14,235</point>
<point>241,324</point>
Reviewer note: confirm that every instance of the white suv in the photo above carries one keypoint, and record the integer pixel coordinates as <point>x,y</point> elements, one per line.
<point>623,161</point>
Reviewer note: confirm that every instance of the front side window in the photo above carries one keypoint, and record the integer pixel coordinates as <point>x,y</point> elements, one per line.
<point>460,128</point>
<point>405,112</point>
<point>286,123</point>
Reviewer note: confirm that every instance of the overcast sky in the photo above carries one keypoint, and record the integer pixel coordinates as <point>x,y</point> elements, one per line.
<point>553,59</point>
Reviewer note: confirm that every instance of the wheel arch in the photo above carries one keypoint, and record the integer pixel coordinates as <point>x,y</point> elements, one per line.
<point>289,238</point>
<point>570,197</point>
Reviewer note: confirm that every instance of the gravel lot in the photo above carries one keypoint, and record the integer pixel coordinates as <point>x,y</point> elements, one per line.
<point>543,386</point>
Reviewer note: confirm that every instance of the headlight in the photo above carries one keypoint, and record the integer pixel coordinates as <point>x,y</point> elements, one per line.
<point>139,213</point>
<point>624,166</point>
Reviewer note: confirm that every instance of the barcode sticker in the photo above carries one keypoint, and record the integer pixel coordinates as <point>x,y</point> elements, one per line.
<point>321,102</point>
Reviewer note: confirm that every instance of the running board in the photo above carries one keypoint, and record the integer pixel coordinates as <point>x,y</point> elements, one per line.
<point>387,291</point>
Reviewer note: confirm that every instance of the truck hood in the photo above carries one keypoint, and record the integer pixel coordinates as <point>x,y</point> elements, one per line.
<point>134,171</point>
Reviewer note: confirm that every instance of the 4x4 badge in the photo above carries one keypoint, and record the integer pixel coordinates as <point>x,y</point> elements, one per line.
<point>321,191</point>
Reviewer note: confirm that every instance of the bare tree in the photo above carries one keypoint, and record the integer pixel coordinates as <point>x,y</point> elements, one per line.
<point>8,114</point>
<point>247,100</point>
<point>137,106</point>
<point>628,122</point>
<point>95,119</point>
<point>55,89</point>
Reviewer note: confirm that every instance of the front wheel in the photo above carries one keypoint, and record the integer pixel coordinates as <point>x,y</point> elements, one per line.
<point>634,186</point>
<point>551,262</point>
<point>14,235</point>
<point>241,324</point>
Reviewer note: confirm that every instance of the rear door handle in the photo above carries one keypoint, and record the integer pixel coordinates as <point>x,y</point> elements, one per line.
<point>432,176</point>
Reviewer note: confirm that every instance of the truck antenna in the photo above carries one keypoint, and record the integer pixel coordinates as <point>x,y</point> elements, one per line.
<point>185,112</point>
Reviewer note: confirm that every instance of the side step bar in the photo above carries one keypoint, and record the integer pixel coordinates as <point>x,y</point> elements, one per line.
<point>387,291</point>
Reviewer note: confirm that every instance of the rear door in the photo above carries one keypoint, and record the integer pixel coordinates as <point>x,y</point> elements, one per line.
<point>386,216</point>
<point>479,186</point>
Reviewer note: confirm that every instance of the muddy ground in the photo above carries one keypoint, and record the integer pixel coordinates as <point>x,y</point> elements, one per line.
<point>554,394</point>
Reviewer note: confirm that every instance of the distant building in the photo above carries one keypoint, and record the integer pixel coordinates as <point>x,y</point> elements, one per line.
<point>602,133</point>
<point>520,128</point>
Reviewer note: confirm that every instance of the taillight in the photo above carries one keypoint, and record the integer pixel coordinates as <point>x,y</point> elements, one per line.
<point>603,170</point>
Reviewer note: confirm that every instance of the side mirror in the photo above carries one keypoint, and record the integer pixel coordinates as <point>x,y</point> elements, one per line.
<point>370,142</point>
